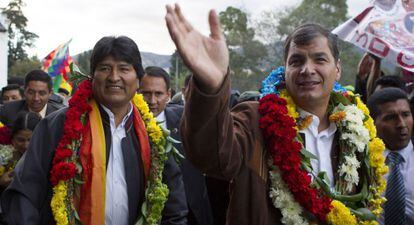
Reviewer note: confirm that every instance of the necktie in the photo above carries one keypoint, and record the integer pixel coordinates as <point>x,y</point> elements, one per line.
<point>395,206</point>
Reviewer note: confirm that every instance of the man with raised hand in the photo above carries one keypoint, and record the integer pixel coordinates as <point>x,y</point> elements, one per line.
<point>286,156</point>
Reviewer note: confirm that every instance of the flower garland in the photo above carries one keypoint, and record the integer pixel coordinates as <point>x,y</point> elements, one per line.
<point>66,169</point>
<point>290,164</point>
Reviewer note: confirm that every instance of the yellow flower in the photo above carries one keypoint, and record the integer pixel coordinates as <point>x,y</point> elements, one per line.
<point>58,203</point>
<point>2,170</point>
<point>369,124</point>
<point>340,215</point>
<point>362,106</point>
<point>1,125</point>
<point>290,104</point>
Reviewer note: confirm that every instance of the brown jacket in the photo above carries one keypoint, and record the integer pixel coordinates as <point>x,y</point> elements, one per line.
<point>230,146</point>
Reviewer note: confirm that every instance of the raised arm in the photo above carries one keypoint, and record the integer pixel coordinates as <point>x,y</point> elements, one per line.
<point>207,57</point>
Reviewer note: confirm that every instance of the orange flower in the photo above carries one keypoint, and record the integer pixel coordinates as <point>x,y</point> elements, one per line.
<point>338,116</point>
<point>305,122</point>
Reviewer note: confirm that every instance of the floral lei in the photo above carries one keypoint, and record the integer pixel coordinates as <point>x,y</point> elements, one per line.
<point>66,169</point>
<point>293,191</point>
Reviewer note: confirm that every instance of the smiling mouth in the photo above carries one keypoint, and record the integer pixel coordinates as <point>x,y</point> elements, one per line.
<point>308,83</point>
<point>114,87</point>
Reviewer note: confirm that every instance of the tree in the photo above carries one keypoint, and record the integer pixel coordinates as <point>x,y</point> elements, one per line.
<point>19,37</point>
<point>178,71</point>
<point>22,67</point>
<point>246,53</point>
<point>275,25</point>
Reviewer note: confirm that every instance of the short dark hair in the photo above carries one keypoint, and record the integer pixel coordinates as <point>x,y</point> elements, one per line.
<point>11,87</point>
<point>38,75</point>
<point>25,121</point>
<point>389,94</point>
<point>155,71</point>
<point>304,34</point>
<point>390,81</point>
<point>121,48</point>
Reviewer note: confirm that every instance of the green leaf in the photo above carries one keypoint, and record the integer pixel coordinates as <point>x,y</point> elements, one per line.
<point>308,154</point>
<point>169,138</point>
<point>77,181</point>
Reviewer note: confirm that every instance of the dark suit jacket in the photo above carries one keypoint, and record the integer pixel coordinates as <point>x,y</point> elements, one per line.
<point>194,181</point>
<point>31,192</point>
<point>9,111</point>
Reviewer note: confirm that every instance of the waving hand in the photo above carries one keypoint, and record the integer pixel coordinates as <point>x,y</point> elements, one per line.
<point>207,57</point>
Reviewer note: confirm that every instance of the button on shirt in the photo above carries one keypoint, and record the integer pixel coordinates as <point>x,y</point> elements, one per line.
<point>116,196</point>
<point>407,171</point>
<point>320,145</point>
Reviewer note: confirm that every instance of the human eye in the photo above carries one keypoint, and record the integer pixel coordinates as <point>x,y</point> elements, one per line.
<point>104,68</point>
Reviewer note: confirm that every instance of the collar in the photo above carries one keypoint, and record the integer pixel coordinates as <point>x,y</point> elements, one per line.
<point>405,152</point>
<point>112,116</point>
<point>161,117</point>
<point>313,127</point>
<point>42,112</point>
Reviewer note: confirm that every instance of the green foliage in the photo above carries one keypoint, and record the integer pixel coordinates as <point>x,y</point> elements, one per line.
<point>274,25</point>
<point>177,67</point>
<point>329,13</point>
<point>19,37</point>
<point>22,67</point>
<point>82,60</point>
<point>246,53</point>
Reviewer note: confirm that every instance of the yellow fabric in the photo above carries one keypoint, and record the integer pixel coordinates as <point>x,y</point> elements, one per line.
<point>98,150</point>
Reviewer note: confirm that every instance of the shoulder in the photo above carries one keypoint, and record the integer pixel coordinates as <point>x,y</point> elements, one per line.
<point>174,109</point>
<point>55,119</point>
<point>15,105</point>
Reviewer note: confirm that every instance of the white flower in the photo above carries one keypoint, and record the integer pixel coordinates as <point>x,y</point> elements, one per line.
<point>6,154</point>
<point>350,170</point>
<point>283,199</point>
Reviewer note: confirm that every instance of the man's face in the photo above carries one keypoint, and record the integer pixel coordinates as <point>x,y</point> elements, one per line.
<point>21,140</point>
<point>394,124</point>
<point>114,83</point>
<point>311,71</point>
<point>155,92</point>
<point>37,94</point>
<point>11,95</point>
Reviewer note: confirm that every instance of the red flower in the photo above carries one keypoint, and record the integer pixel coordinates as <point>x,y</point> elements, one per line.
<point>62,171</point>
<point>279,134</point>
<point>72,131</point>
<point>5,136</point>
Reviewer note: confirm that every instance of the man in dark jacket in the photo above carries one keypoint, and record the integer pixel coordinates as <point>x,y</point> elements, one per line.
<point>116,67</point>
<point>155,87</point>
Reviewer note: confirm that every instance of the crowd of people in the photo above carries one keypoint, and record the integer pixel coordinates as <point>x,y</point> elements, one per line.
<point>121,149</point>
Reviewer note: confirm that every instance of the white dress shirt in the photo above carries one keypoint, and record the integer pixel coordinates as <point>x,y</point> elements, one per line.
<point>116,194</point>
<point>162,119</point>
<point>407,171</point>
<point>42,112</point>
<point>320,145</point>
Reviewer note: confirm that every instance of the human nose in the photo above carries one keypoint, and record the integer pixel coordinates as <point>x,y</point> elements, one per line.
<point>153,99</point>
<point>114,75</point>
<point>307,68</point>
<point>401,123</point>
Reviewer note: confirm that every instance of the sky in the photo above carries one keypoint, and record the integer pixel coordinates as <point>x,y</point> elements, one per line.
<point>86,21</point>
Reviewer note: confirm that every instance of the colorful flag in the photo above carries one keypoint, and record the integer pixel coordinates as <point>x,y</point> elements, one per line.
<point>385,29</point>
<point>57,65</point>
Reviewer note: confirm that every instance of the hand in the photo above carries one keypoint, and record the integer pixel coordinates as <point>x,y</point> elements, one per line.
<point>6,179</point>
<point>207,57</point>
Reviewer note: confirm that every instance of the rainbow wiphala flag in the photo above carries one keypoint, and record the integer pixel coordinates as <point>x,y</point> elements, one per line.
<point>57,65</point>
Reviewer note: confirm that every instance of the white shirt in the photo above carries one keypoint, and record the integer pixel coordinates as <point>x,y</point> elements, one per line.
<point>42,112</point>
<point>116,194</point>
<point>320,145</point>
<point>407,171</point>
<point>162,119</point>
